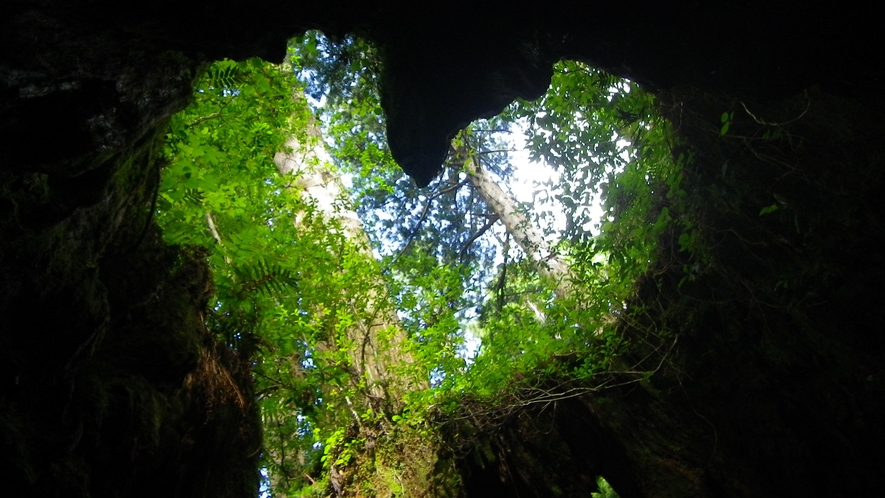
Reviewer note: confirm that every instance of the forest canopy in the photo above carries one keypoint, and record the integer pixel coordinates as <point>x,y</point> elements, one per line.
<point>355,294</point>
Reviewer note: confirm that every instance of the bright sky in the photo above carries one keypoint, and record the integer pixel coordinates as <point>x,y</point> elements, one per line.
<point>528,181</point>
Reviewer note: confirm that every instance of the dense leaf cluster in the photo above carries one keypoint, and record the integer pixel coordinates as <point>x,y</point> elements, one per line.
<point>285,282</point>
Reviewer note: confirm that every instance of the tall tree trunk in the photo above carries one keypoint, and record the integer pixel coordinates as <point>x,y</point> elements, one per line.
<point>517,224</point>
<point>381,364</point>
<point>376,335</point>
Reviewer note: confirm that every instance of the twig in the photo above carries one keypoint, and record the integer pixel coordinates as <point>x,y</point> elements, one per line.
<point>492,220</point>
<point>213,115</point>
<point>763,122</point>
<point>423,217</point>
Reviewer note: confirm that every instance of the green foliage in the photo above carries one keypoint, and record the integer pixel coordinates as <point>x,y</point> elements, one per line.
<point>285,290</point>
<point>635,170</point>
<point>224,74</point>
<point>605,489</point>
<point>726,119</point>
<point>605,138</point>
<point>221,190</point>
<point>290,287</point>
<point>431,241</point>
<point>602,134</point>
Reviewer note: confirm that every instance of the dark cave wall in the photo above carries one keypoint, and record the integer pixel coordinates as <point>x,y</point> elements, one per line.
<point>107,376</point>
<point>454,63</point>
<point>99,72</point>
<point>765,339</point>
<point>109,383</point>
<point>782,331</point>
<point>111,386</point>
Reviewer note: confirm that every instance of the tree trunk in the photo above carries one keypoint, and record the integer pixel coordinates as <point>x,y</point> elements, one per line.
<point>387,458</point>
<point>518,225</point>
<point>544,259</point>
<point>376,336</point>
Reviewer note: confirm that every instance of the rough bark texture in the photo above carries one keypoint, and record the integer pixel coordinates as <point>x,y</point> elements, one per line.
<point>775,387</point>
<point>388,460</point>
<point>377,332</point>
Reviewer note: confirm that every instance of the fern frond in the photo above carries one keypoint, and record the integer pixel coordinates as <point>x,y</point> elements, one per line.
<point>193,196</point>
<point>222,75</point>
<point>264,278</point>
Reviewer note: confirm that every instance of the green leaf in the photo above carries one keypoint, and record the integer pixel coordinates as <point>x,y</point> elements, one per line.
<point>768,210</point>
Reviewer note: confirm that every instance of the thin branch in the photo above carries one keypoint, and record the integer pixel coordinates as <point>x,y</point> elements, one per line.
<point>213,115</point>
<point>414,231</point>
<point>493,151</point>
<point>217,236</point>
<point>763,122</point>
<point>491,130</point>
<point>492,220</point>
<point>212,228</point>
<point>204,118</point>
<point>423,217</point>
<point>450,189</point>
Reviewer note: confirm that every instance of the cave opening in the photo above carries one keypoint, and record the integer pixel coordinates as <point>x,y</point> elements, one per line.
<point>110,387</point>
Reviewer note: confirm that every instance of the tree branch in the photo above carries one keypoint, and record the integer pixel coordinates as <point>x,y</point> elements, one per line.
<point>492,220</point>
